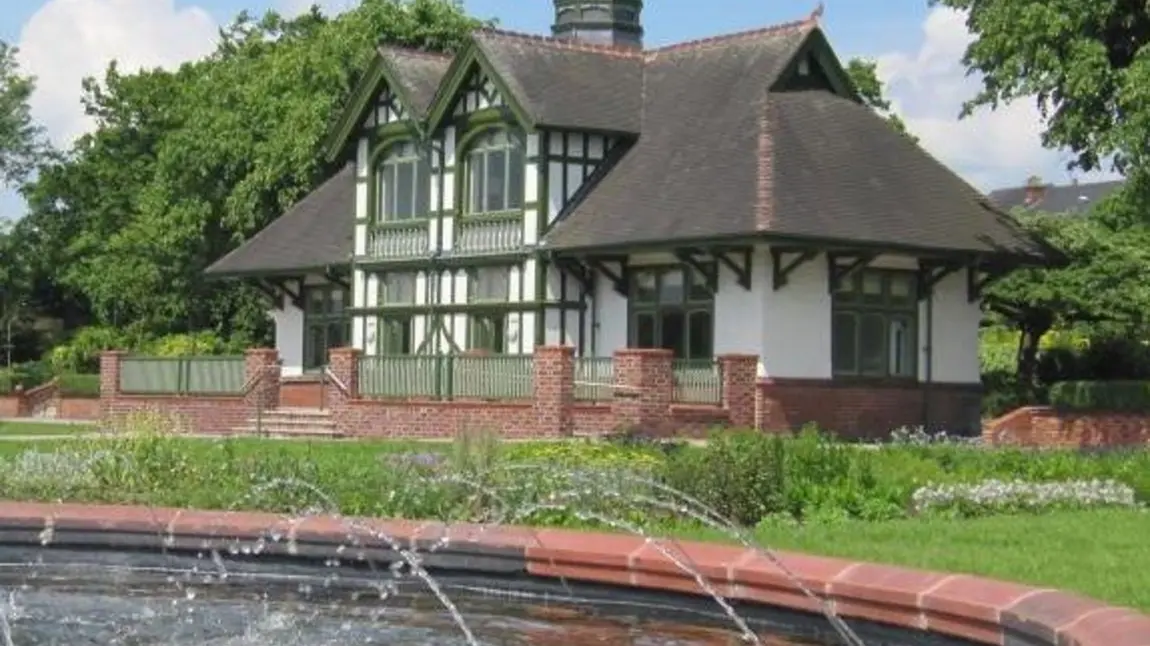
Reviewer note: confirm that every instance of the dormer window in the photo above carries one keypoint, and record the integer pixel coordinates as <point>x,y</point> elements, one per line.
<point>403,188</point>
<point>495,173</point>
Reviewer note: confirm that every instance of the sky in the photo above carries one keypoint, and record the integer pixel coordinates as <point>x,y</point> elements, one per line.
<point>917,47</point>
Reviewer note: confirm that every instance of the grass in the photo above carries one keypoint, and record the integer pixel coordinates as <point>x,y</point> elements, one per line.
<point>1100,553</point>
<point>13,429</point>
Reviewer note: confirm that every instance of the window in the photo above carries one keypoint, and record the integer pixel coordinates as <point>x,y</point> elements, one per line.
<point>489,284</point>
<point>673,308</point>
<point>403,191</point>
<point>495,173</point>
<point>397,288</point>
<point>395,328</point>
<point>326,324</point>
<point>487,331</point>
<point>874,324</point>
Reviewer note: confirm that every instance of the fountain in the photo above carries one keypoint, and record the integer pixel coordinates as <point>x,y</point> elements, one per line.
<point>80,574</point>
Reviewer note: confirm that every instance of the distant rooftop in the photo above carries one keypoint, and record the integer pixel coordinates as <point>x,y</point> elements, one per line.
<point>1051,198</point>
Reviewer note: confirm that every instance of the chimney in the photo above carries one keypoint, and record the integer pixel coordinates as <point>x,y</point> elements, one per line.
<point>1035,190</point>
<point>616,23</point>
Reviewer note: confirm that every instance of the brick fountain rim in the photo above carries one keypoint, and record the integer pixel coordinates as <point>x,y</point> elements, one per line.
<point>971,608</point>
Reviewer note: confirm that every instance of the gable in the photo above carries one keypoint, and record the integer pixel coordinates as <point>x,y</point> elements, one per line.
<point>388,109</point>
<point>815,66</point>
<point>477,93</point>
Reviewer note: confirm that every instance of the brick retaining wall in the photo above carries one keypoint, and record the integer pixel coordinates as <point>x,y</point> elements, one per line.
<point>1047,427</point>
<point>45,401</point>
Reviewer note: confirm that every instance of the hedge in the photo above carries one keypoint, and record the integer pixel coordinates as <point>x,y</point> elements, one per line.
<point>76,385</point>
<point>1118,396</point>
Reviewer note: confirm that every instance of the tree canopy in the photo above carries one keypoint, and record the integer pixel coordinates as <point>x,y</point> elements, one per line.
<point>1084,61</point>
<point>183,165</point>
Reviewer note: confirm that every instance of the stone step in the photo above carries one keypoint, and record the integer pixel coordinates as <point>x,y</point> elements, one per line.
<point>298,412</point>
<point>279,430</point>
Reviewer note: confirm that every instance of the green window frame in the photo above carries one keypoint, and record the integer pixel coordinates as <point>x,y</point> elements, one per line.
<point>326,323</point>
<point>496,165</point>
<point>487,331</point>
<point>394,330</point>
<point>874,325</point>
<point>672,307</point>
<point>403,184</point>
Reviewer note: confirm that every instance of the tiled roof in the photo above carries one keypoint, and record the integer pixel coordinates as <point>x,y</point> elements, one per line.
<point>1068,198</point>
<point>317,232</point>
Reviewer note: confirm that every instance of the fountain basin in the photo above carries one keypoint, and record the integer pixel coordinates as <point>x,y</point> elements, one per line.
<point>889,605</point>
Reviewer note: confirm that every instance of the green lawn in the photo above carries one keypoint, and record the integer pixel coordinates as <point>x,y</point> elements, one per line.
<point>11,429</point>
<point>1099,553</point>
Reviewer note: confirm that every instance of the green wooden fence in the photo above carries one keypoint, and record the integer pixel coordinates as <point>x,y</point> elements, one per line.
<point>182,375</point>
<point>697,381</point>
<point>594,378</point>
<point>447,376</point>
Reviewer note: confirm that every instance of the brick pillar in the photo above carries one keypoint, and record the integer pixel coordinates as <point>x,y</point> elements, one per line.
<point>343,364</point>
<point>740,375</point>
<point>554,390</point>
<point>262,372</point>
<point>109,380</point>
<point>644,390</point>
<point>770,415</point>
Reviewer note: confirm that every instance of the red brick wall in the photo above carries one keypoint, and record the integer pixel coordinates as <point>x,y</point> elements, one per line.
<point>857,409</point>
<point>45,400</point>
<point>301,393</point>
<point>643,401</point>
<point>1043,426</point>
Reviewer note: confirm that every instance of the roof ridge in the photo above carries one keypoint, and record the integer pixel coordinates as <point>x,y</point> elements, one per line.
<point>414,51</point>
<point>563,44</point>
<point>809,22</point>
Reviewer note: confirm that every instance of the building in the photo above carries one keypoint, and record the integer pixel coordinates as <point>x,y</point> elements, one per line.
<point>1036,195</point>
<point>725,195</point>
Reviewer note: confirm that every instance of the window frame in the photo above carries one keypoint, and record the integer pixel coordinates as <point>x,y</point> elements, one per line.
<point>852,300</point>
<point>697,299</point>
<point>325,317</point>
<point>473,281</point>
<point>406,152</point>
<point>513,149</point>
<point>497,341</point>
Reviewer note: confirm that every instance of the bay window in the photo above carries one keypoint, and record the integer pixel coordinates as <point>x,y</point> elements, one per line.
<point>874,326</point>
<point>672,308</point>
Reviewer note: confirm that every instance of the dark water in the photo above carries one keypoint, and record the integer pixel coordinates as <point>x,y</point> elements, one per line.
<point>50,597</point>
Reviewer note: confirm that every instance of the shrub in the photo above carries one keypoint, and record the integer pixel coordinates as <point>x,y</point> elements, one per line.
<point>82,352</point>
<point>1118,396</point>
<point>76,385</point>
<point>26,375</point>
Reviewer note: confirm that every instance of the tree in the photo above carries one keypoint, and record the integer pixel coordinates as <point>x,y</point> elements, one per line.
<point>864,74</point>
<point>22,143</point>
<point>184,165</point>
<point>1083,60</point>
<point>1101,286</point>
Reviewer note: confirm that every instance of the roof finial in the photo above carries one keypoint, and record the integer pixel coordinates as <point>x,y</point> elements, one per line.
<point>817,14</point>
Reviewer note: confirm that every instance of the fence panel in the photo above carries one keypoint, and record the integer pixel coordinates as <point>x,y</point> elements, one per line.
<point>697,381</point>
<point>594,378</point>
<point>182,375</point>
<point>214,375</point>
<point>493,377</point>
<point>403,376</point>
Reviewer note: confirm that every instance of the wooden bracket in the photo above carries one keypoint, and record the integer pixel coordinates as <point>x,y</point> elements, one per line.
<point>583,274</point>
<point>276,296</point>
<point>976,284</point>
<point>931,273</point>
<point>782,267</point>
<point>620,280</point>
<point>739,261</point>
<point>709,271</point>
<point>295,296</point>
<point>335,278</point>
<point>837,271</point>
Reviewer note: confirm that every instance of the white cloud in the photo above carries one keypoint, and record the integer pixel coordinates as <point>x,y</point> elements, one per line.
<point>991,149</point>
<point>67,40</point>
